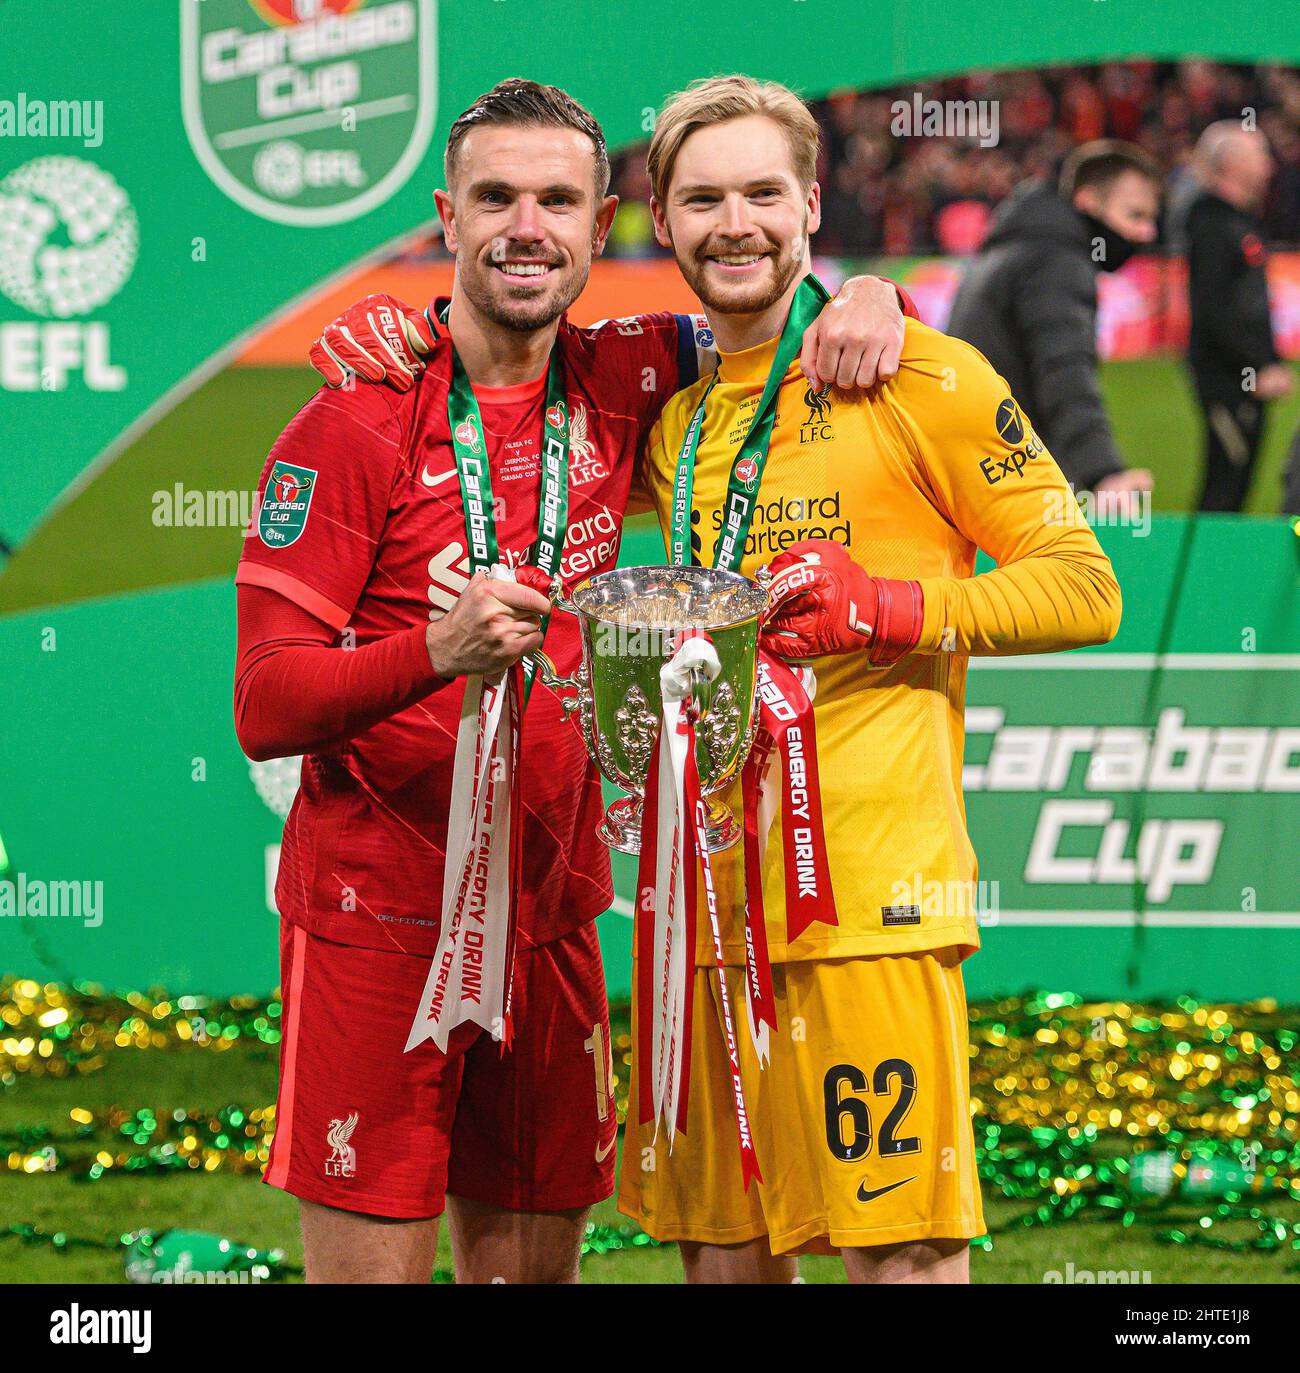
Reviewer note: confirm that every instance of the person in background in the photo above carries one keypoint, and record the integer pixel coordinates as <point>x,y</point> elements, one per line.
<point>1291,479</point>
<point>1028,302</point>
<point>1231,352</point>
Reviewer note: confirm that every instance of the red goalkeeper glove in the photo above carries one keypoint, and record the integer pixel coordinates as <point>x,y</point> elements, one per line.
<point>822,602</point>
<point>379,338</point>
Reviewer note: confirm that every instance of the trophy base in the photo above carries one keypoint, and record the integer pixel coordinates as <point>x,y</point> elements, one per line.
<point>620,830</point>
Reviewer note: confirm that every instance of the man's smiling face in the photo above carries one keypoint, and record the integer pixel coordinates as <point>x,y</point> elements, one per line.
<point>736,216</point>
<point>524,220</point>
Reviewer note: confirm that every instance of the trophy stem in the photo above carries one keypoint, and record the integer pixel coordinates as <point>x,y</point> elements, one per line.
<point>620,830</point>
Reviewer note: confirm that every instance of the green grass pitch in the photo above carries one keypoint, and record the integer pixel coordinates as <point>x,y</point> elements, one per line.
<point>244,1209</point>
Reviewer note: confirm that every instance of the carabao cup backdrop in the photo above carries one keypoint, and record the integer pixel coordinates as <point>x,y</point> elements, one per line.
<point>173,176</point>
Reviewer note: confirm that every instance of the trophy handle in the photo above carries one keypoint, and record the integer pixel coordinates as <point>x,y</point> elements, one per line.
<point>577,684</point>
<point>764,579</point>
<point>558,599</point>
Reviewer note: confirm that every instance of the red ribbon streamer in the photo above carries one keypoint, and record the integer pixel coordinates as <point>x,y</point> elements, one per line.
<point>515,686</point>
<point>697,807</point>
<point>786,714</point>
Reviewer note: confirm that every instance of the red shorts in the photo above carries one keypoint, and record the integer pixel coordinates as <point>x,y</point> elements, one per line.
<point>363,1126</point>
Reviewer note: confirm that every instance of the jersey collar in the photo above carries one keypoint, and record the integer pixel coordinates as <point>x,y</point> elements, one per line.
<point>751,365</point>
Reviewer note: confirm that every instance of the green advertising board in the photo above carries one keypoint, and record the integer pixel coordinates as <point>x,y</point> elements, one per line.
<point>1136,812</point>
<point>173,175</point>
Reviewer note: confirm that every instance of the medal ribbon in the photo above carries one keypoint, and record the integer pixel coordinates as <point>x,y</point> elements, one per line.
<point>472,975</point>
<point>786,728</point>
<point>470,978</point>
<point>469,443</point>
<point>751,457</point>
<point>785,719</point>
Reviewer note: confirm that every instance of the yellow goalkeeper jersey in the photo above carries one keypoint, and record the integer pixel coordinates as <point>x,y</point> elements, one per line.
<point>911,478</point>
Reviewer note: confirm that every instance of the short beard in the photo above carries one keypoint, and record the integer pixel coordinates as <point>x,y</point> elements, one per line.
<point>520,317</point>
<point>787,268</point>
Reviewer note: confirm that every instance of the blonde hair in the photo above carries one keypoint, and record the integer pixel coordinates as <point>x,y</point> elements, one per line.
<point>717,99</point>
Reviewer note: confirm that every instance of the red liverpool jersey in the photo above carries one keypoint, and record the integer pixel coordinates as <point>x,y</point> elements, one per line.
<point>363,526</point>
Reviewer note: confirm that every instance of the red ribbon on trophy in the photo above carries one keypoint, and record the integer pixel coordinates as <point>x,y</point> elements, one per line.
<point>786,728</point>
<point>471,978</point>
<point>673,839</point>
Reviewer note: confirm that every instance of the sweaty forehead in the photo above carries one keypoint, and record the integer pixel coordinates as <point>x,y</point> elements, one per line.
<point>524,156</point>
<point>736,152</point>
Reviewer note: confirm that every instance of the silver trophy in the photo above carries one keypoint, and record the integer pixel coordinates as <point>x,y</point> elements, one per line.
<point>631,620</point>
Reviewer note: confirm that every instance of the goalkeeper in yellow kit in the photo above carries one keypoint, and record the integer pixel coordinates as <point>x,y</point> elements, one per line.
<point>869,506</point>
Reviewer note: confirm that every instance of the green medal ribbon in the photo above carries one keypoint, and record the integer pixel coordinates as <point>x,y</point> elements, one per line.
<point>469,444</point>
<point>751,457</point>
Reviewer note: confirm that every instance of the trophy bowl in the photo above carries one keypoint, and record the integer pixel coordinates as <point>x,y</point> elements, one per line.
<point>630,621</point>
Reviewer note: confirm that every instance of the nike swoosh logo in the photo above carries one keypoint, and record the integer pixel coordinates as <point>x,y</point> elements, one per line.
<point>603,1154</point>
<point>438,480</point>
<point>864,1195</point>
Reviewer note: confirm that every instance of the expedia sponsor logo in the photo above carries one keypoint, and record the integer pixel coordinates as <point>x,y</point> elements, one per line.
<point>1010,422</point>
<point>309,112</point>
<point>1013,464</point>
<point>283,514</point>
<point>785,520</point>
<point>816,427</point>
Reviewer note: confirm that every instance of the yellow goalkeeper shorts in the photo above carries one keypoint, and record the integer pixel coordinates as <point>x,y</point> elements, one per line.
<point>861,1119</point>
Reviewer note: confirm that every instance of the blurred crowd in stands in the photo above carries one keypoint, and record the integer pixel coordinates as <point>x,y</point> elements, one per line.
<point>883,194</point>
<point>920,195</point>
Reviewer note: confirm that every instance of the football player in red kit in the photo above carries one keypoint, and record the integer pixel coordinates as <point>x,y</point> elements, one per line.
<point>363,609</point>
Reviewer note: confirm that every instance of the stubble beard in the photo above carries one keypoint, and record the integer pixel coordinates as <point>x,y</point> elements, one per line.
<point>786,267</point>
<point>523,316</point>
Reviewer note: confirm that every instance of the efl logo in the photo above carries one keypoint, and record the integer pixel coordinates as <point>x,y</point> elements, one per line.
<point>68,244</point>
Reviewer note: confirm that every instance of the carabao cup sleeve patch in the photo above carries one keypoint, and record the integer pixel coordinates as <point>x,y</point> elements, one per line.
<point>286,504</point>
